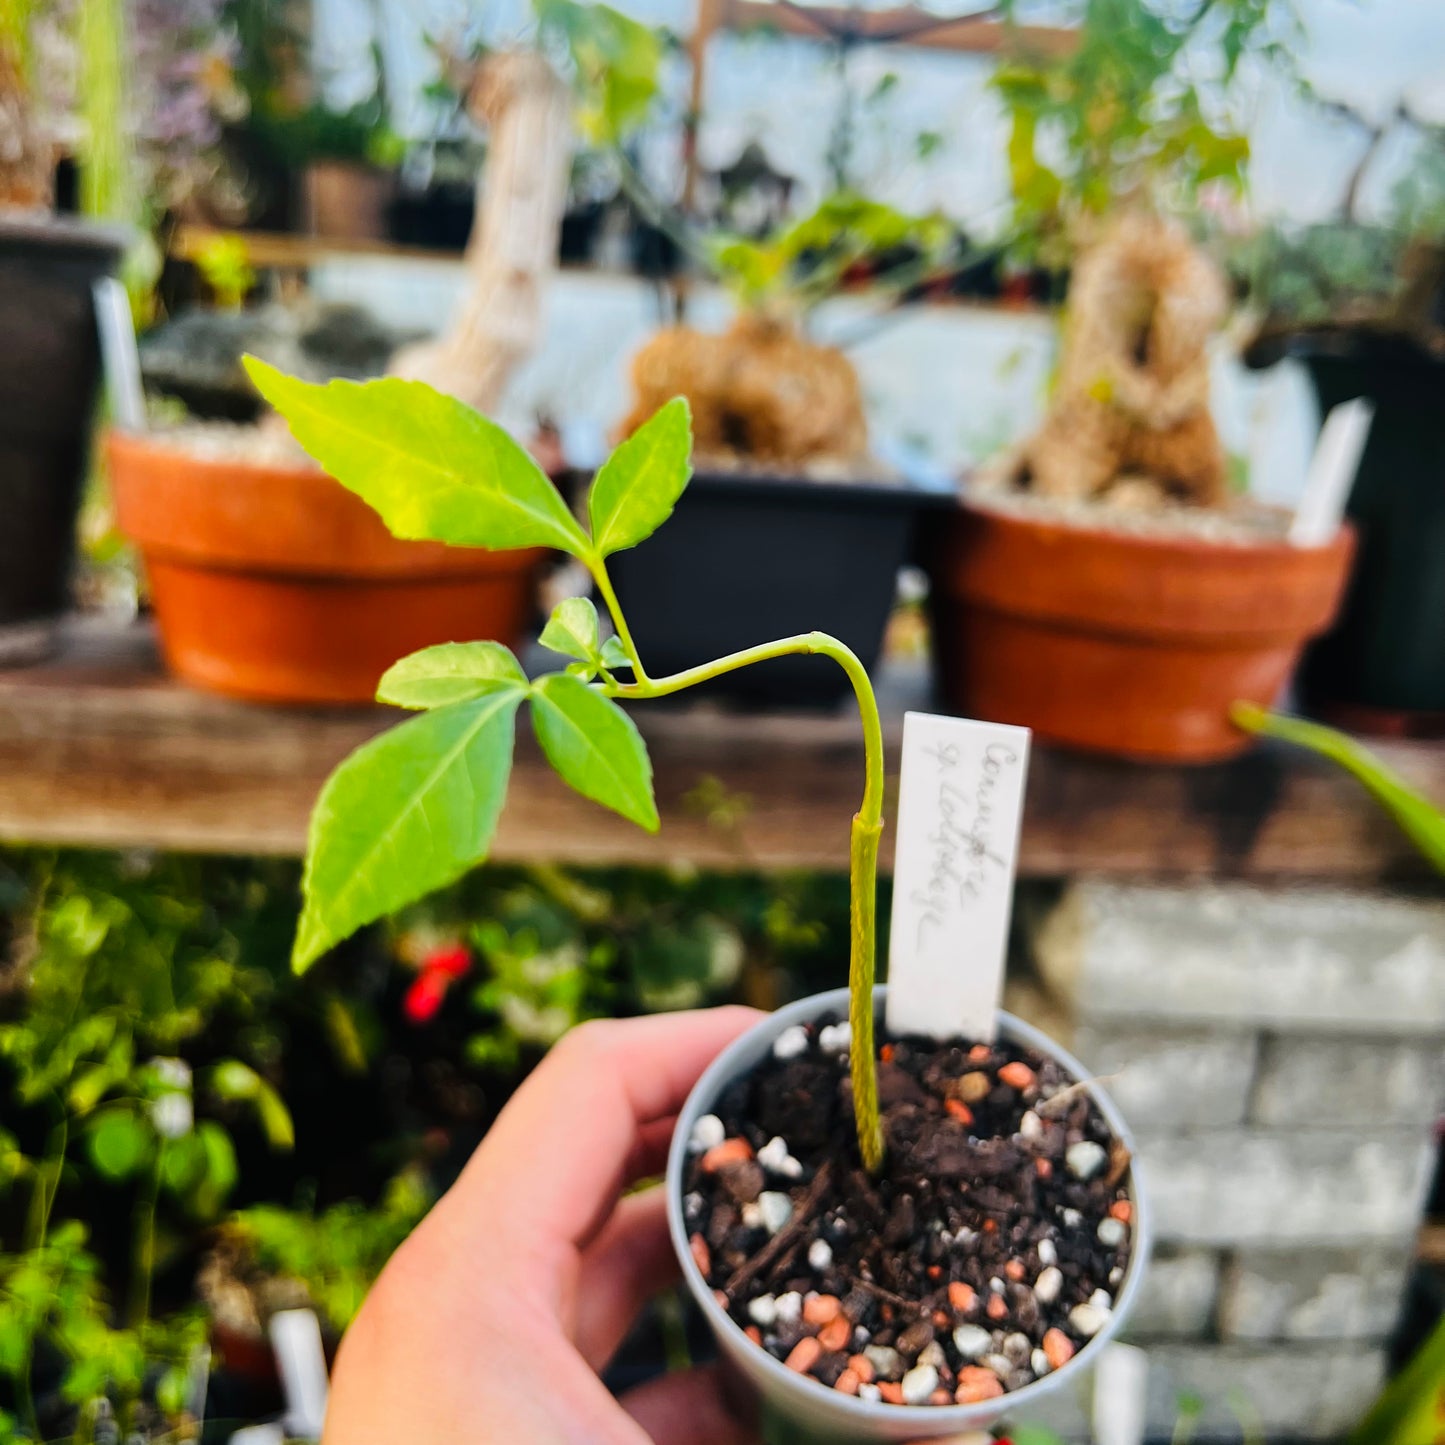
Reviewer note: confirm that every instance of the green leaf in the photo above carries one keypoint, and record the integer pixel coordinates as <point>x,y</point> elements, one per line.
<point>595,746</point>
<point>635,490</point>
<point>238,1082</point>
<point>614,654</point>
<point>432,467</point>
<point>233,1080</point>
<point>407,813</point>
<point>450,672</point>
<point>572,630</point>
<point>275,1117</point>
<point>182,1164</point>
<point>119,1144</point>
<point>1420,820</point>
<point>222,1170</point>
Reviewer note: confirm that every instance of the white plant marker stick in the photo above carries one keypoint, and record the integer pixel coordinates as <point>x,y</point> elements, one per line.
<point>1332,473</point>
<point>259,1435</point>
<point>119,355</point>
<point>1121,1379</point>
<point>301,1359</point>
<point>198,1382</point>
<point>960,803</point>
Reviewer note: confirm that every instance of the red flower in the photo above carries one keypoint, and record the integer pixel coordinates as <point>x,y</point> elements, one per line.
<point>439,970</point>
<point>451,960</point>
<point>425,997</point>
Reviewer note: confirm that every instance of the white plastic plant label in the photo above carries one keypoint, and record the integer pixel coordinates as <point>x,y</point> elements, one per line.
<point>301,1363</point>
<point>1332,473</point>
<point>960,804</point>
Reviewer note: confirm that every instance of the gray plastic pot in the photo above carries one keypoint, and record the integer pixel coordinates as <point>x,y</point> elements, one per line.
<point>794,1409</point>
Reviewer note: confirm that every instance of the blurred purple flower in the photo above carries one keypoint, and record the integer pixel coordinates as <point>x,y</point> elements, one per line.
<point>183,89</point>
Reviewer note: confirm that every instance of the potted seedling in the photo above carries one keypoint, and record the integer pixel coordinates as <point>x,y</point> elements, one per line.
<point>272,582</point>
<point>1362,306</point>
<point>49,351</point>
<point>889,1243</point>
<point>1102,583</point>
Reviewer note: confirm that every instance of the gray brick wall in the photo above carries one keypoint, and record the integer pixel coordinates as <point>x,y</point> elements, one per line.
<point>1334,1083</point>
<point>1339,1294</point>
<point>1281,1057</point>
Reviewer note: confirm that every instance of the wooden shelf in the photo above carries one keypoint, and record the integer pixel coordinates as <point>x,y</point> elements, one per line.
<point>100,748</point>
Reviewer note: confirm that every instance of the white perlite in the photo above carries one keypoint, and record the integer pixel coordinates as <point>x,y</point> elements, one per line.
<point>1112,1232</point>
<point>1048,1285</point>
<point>971,1342</point>
<point>763,1311</point>
<point>1087,1320</point>
<point>820,1254</point>
<point>774,1157</point>
<point>918,1384</point>
<point>776,1210</point>
<point>835,1038</point>
<point>1085,1158</point>
<point>791,1042</point>
<point>886,1361</point>
<point>706,1134</point>
<point>789,1307</point>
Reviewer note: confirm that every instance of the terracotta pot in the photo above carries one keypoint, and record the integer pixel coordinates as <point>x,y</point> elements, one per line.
<point>1119,643</point>
<point>276,583</point>
<point>347,200</point>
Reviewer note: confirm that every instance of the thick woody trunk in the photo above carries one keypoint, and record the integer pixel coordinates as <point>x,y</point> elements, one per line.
<point>513,248</point>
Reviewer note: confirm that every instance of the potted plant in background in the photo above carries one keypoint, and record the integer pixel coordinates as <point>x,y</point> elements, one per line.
<point>1361,306</point>
<point>787,478</point>
<point>49,349</point>
<point>342,162</point>
<point>797,1187</point>
<point>1100,583</point>
<point>269,580</point>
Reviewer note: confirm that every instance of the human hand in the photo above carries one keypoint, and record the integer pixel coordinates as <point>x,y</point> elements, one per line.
<point>491,1322</point>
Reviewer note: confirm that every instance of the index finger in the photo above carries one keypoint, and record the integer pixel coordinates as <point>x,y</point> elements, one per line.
<point>556,1159</point>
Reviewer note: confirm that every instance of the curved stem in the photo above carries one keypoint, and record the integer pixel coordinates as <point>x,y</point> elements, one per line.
<point>866,831</point>
<point>624,634</point>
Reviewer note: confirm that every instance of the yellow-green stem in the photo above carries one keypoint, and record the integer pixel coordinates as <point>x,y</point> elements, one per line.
<point>863,840</point>
<point>604,586</point>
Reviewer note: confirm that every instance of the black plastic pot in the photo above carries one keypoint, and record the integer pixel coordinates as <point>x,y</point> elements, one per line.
<point>49,371</point>
<point>577,238</point>
<point>1382,666</point>
<point>748,559</point>
<point>439,218</point>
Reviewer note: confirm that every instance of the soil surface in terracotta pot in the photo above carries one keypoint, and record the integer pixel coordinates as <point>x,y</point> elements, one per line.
<point>986,1254</point>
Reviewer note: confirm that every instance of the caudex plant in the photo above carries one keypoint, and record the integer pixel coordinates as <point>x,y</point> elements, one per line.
<point>415,808</point>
